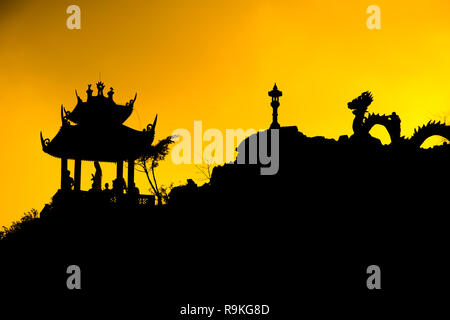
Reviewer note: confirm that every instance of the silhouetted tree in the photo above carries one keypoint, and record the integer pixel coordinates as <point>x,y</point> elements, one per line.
<point>165,191</point>
<point>28,218</point>
<point>206,170</point>
<point>150,160</point>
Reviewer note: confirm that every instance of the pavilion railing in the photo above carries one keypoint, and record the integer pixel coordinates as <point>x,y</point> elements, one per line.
<point>139,200</point>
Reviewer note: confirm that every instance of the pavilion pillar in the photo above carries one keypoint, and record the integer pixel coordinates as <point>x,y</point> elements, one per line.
<point>119,183</point>
<point>119,171</point>
<point>64,177</point>
<point>77,183</point>
<point>130,174</point>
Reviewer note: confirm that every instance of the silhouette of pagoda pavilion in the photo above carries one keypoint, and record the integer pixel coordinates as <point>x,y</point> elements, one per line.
<point>94,131</point>
<point>275,94</point>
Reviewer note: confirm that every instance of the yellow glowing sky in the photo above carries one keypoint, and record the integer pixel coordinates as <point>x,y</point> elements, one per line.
<point>212,61</point>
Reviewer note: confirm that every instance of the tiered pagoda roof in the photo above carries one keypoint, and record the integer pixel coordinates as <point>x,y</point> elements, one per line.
<point>94,130</point>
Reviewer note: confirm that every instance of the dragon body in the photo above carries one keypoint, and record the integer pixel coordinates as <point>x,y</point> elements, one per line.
<point>362,124</point>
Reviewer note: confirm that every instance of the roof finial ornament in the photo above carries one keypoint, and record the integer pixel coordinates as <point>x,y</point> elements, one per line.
<point>150,130</point>
<point>110,93</point>
<point>131,102</point>
<point>89,91</point>
<point>100,87</point>
<point>64,120</point>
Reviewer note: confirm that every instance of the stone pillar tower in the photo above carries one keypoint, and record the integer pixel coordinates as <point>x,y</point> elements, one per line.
<point>275,94</point>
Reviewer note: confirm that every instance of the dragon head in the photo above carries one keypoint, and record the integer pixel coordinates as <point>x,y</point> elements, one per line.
<point>360,104</point>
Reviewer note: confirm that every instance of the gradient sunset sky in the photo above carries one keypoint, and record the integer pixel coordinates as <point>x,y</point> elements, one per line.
<point>213,61</point>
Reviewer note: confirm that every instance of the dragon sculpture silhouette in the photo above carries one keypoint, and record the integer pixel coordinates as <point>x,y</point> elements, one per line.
<point>362,125</point>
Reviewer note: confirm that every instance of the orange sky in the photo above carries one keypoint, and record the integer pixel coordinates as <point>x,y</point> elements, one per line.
<point>212,61</point>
